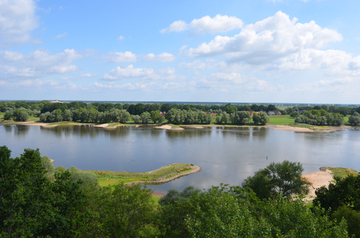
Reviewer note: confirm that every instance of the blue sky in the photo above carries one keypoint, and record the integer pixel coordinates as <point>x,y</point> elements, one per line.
<point>228,51</point>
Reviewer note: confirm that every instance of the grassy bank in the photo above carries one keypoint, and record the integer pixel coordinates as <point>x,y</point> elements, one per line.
<point>163,174</point>
<point>281,120</point>
<point>342,172</point>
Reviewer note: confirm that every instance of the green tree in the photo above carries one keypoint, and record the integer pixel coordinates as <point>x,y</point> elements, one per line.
<point>260,118</point>
<point>354,120</point>
<point>352,219</point>
<point>240,118</point>
<point>229,108</point>
<point>155,116</point>
<point>20,115</point>
<point>33,206</point>
<point>126,211</point>
<point>174,195</point>
<point>145,117</point>
<point>136,119</point>
<point>284,178</point>
<point>8,115</point>
<point>344,192</point>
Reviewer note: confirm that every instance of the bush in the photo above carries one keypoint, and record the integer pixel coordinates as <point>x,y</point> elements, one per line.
<point>352,219</point>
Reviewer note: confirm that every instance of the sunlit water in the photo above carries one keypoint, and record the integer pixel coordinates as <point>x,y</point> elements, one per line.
<point>226,155</point>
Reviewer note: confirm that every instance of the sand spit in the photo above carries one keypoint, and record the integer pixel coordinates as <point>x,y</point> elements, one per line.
<point>101,125</point>
<point>167,127</point>
<point>195,169</point>
<point>291,128</point>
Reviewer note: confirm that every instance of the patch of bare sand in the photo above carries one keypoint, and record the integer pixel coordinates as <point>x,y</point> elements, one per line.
<point>167,127</point>
<point>318,179</point>
<point>101,125</point>
<point>291,128</point>
<point>33,123</point>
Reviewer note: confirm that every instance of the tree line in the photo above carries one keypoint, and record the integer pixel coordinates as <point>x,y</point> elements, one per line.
<point>38,200</point>
<point>321,118</point>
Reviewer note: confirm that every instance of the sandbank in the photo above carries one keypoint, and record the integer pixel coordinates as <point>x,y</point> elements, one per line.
<point>318,179</point>
<point>101,125</point>
<point>290,128</point>
<point>167,127</point>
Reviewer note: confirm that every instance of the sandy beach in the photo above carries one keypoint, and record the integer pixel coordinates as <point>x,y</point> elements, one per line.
<point>318,179</point>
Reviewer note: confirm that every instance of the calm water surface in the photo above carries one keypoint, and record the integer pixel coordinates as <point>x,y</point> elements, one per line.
<point>226,155</point>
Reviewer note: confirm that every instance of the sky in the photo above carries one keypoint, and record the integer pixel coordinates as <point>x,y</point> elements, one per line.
<point>265,51</point>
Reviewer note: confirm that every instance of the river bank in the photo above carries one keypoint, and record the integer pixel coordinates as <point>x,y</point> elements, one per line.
<point>109,126</point>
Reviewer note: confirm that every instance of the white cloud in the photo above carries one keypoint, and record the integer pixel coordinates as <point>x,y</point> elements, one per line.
<point>17,20</point>
<point>268,40</point>
<point>60,36</point>
<point>334,62</point>
<point>14,65</point>
<point>126,56</point>
<point>175,26</point>
<point>129,72</point>
<point>87,75</point>
<point>12,56</point>
<point>338,85</point>
<point>216,24</point>
<point>120,38</point>
<point>235,78</point>
<point>163,57</point>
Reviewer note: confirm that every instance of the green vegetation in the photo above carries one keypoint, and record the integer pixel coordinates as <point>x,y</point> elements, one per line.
<point>321,118</point>
<point>280,120</point>
<point>164,173</point>
<point>342,172</point>
<point>40,201</point>
<point>284,178</point>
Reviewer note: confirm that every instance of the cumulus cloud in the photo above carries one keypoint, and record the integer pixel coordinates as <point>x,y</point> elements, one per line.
<point>60,36</point>
<point>163,57</point>
<point>87,75</point>
<point>129,72</point>
<point>126,56</point>
<point>120,38</point>
<point>207,24</point>
<point>334,62</point>
<point>14,65</point>
<point>267,40</point>
<point>17,20</point>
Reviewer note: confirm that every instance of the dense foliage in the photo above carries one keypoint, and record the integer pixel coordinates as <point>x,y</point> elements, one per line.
<point>321,118</point>
<point>354,120</point>
<point>284,178</point>
<point>234,212</point>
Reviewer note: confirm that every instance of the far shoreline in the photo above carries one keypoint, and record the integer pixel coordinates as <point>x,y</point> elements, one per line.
<point>181,127</point>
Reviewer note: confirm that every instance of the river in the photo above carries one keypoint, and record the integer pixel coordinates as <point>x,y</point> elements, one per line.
<point>226,155</point>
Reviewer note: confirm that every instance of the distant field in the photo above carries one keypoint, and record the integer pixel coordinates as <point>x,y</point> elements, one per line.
<point>281,120</point>
<point>2,115</point>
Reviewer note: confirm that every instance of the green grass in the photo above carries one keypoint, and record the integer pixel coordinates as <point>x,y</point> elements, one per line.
<point>107,178</point>
<point>155,199</point>
<point>281,120</point>
<point>342,172</point>
<point>2,115</point>
<point>346,121</point>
